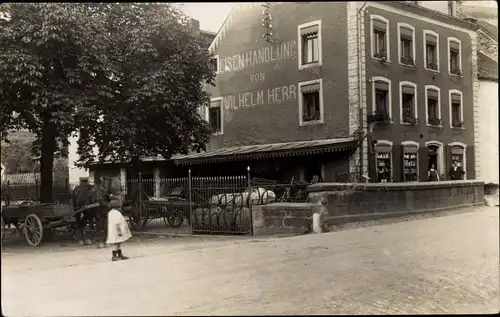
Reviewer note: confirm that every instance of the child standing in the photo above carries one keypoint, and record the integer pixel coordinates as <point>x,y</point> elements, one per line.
<point>118,231</point>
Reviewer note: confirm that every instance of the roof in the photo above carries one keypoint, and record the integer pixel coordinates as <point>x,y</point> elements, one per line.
<point>261,151</point>
<point>487,67</point>
<point>488,29</point>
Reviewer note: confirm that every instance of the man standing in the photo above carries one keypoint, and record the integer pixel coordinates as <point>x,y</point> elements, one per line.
<point>456,172</point>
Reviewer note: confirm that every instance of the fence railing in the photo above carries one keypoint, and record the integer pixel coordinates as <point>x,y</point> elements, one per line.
<point>11,193</point>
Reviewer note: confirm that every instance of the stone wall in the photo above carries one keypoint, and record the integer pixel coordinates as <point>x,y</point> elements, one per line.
<point>288,218</point>
<point>361,202</point>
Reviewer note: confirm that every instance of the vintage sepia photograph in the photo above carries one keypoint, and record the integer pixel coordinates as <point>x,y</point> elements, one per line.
<point>249,158</point>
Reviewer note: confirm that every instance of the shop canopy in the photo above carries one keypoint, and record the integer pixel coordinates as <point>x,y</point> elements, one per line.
<point>264,151</point>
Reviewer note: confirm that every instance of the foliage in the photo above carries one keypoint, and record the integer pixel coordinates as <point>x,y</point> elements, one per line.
<point>17,158</point>
<point>129,77</point>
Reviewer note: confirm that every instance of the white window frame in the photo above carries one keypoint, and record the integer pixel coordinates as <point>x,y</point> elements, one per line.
<point>454,39</point>
<point>320,45</point>
<point>412,143</point>
<point>301,101</point>
<point>401,84</point>
<point>464,147</point>
<point>432,87</point>
<point>207,114</point>
<point>389,94</point>
<point>458,92</point>
<point>388,143</point>
<point>406,25</point>
<point>216,57</point>
<point>387,37</point>
<point>429,32</point>
<point>441,165</point>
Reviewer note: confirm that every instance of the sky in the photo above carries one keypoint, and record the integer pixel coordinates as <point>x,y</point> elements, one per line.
<point>212,14</point>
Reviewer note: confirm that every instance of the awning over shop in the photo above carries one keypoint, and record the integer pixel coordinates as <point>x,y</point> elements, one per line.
<point>263,151</point>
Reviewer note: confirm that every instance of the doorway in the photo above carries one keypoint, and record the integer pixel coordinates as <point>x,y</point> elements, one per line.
<point>433,156</point>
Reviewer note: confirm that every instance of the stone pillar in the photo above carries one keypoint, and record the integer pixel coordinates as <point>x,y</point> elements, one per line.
<point>123,181</point>
<point>157,180</point>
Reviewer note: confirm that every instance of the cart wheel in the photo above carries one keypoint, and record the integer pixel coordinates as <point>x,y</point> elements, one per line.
<point>172,219</point>
<point>33,230</point>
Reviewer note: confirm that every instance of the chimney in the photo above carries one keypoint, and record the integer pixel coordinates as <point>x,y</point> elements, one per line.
<point>194,25</point>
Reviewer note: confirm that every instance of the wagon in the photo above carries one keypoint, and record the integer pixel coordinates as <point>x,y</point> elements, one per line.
<point>33,219</point>
<point>172,209</point>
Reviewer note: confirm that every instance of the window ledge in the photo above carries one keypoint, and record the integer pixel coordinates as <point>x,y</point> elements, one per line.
<point>407,65</point>
<point>303,123</point>
<point>457,128</point>
<point>434,126</point>
<point>381,60</point>
<point>455,75</point>
<point>432,70</point>
<point>305,66</point>
<point>410,124</point>
<point>217,133</point>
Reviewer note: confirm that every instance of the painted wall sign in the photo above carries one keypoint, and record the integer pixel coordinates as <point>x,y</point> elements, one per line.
<point>265,55</point>
<point>271,96</point>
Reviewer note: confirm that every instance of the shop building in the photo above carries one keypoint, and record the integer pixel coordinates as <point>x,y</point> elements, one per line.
<point>328,89</point>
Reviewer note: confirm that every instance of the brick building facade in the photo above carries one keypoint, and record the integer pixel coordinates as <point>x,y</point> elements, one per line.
<point>296,99</point>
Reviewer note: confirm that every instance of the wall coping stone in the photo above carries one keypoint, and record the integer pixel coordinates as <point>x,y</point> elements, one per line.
<point>329,187</point>
<point>287,206</point>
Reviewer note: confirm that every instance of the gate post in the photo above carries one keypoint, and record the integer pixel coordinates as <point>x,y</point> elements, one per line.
<point>190,198</point>
<point>250,199</point>
<point>140,199</point>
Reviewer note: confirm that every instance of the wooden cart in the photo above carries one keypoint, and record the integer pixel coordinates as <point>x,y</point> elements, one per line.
<point>33,219</point>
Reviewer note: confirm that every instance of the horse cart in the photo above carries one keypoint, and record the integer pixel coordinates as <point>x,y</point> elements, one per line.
<point>35,220</point>
<point>173,208</point>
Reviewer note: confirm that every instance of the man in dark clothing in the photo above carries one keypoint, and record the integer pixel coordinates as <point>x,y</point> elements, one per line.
<point>456,172</point>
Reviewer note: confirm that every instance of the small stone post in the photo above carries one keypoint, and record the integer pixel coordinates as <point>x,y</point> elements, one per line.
<point>157,181</point>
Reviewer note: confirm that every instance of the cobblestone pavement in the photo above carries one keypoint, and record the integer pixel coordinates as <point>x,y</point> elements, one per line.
<point>437,265</point>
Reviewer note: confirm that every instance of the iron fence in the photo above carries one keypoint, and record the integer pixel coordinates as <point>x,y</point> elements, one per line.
<point>14,193</point>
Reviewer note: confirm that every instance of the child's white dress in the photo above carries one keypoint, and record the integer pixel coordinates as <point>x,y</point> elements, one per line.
<point>116,222</point>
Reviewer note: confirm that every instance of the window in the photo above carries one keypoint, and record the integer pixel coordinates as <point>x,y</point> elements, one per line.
<point>408,103</point>
<point>311,102</point>
<point>433,105</point>
<point>410,161</point>
<point>214,63</point>
<point>456,109</point>
<point>215,115</point>
<point>384,161</point>
<point>381,104</point>
<point>406,44</point>
<point>458,153</point>
<point>431,52</point>
<point>309,44</point>
<point>454,56</point>
<point>380,37</point>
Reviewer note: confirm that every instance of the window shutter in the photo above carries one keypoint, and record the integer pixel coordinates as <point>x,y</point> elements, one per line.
<point>216,103</point>
<point>431,93</point>
<point>379,26</point>
<point>408,90</point>
<point>406,33</point>
<point>310,30</point>
<point>380,85</point>
<point>448,162</point>
<point>455,98</point>
<point>455,46</point>
<point>384,148</point>
<point>430,39</point>
<point>309,88</point>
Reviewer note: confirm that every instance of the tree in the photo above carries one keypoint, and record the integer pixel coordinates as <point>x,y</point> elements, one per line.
<point>17,158</point>
<point>128,77</point>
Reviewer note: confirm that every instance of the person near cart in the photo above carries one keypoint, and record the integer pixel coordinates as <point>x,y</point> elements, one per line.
<point>118,230</point>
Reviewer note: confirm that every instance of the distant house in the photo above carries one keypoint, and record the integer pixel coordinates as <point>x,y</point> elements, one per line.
<point>2,170</point>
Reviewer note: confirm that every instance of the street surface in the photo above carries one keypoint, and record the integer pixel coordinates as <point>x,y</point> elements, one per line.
<point>437,265</point>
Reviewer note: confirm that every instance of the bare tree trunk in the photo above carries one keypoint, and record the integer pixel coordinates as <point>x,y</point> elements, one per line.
<point>47,160</point>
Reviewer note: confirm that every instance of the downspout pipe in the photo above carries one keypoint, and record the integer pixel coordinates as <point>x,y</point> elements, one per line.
<point>360,82</point>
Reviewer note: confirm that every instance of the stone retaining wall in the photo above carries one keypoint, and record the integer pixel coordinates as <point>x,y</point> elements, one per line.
<point>360,202</point>
<point>289,218</point>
